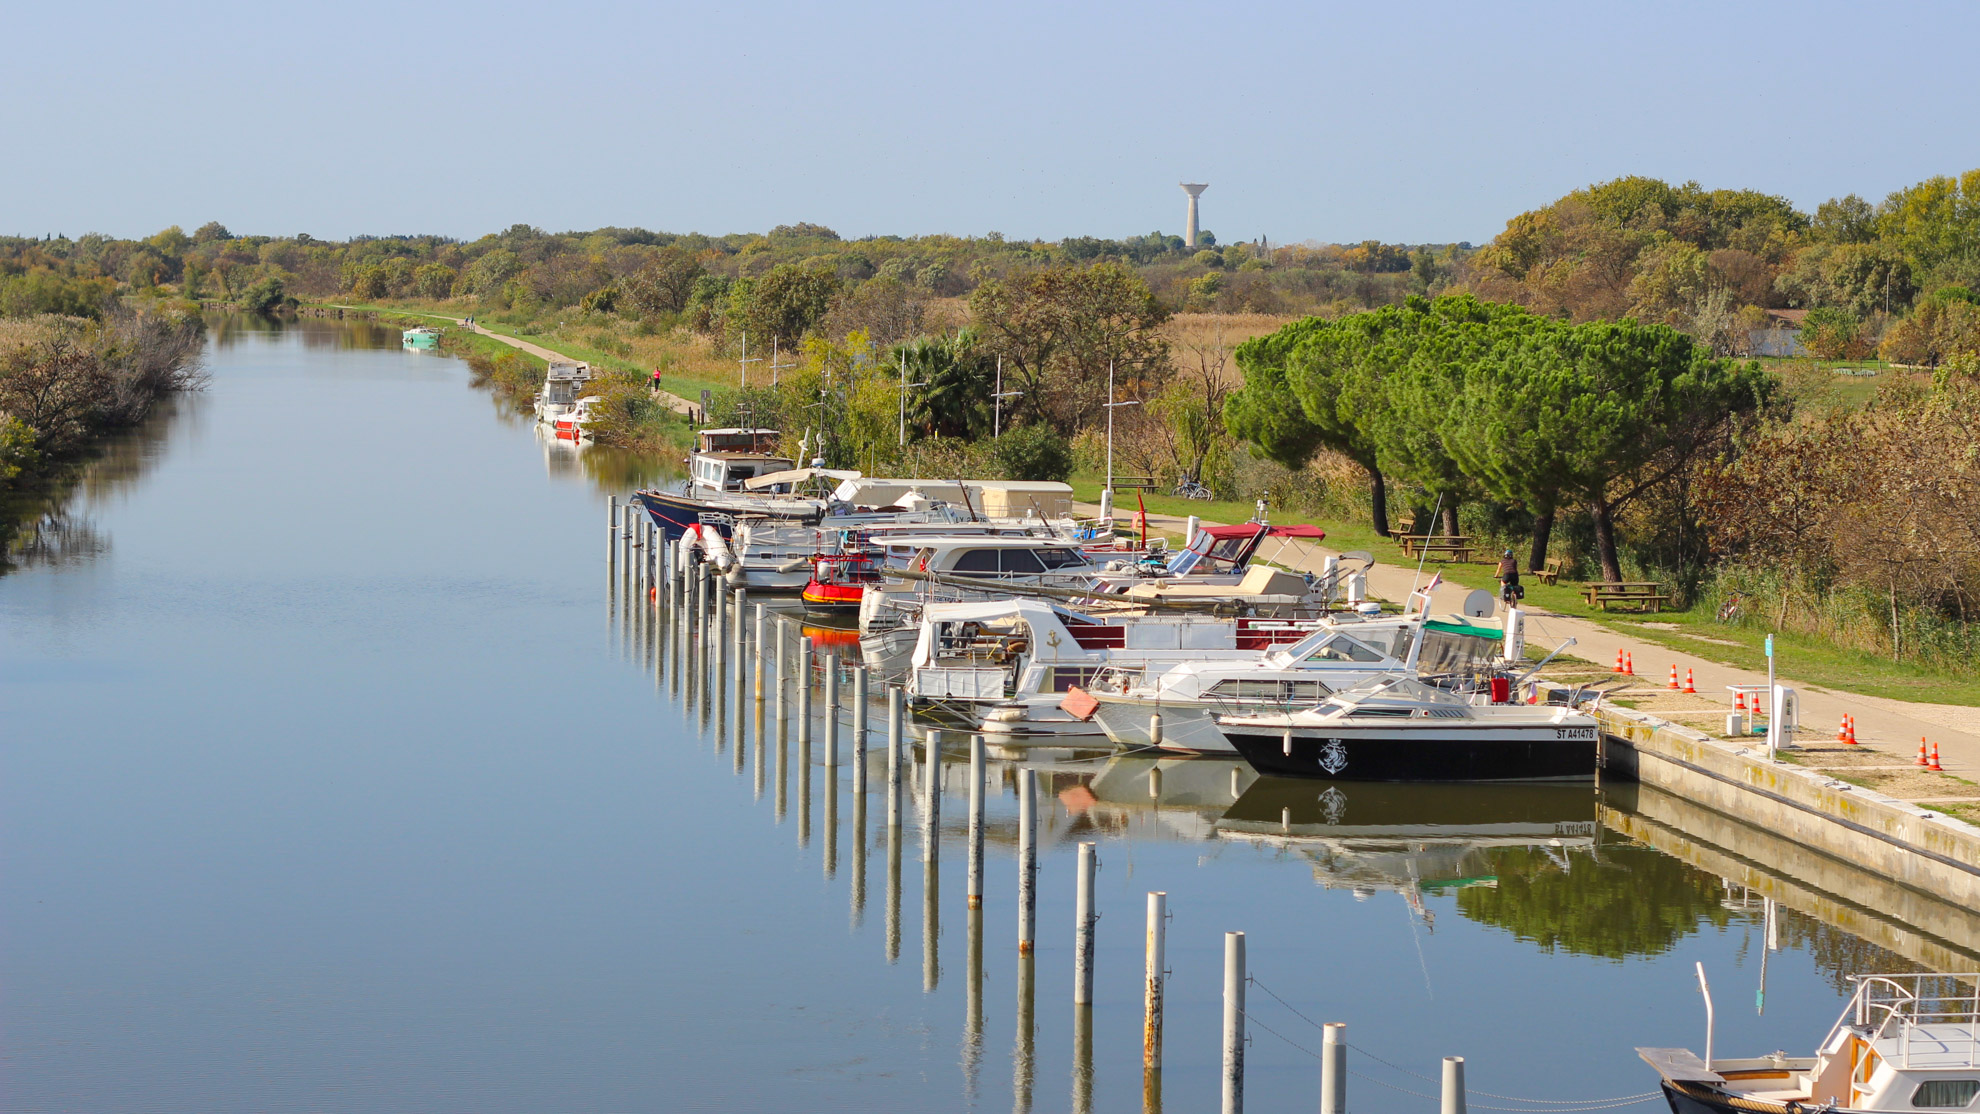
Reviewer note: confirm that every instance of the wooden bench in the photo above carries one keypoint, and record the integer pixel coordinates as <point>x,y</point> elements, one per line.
<point>1551,574</point>
<point>1454,547</point>
<point>1638,595</point>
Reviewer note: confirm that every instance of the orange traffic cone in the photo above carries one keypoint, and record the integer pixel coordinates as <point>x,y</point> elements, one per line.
<point>1674,676</point>
<point>1921,752</point>
<point>1935,767</point>
<point>1619,661</point>
<point>1842,729</point>
<point>1739,700</point>
<point>1688,685</point>
<point>1629,664</point>
<point>1852,729</point>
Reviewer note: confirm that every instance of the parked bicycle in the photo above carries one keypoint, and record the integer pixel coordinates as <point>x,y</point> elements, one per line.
<point>1190,489</point>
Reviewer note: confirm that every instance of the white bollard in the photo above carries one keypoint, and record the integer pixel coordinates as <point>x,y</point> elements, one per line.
<point>859,734</point>
<point>761,653</point>
<point>860,700</point>
<point>976,821</point>
<point>931,797</point>
<point>1151,1001</point>
<point>803,680</point>
<point>1333,1068</point>
<point>1189,532</point>
<point>1453,1085</point>
<point>832,710</point>
<point>1233,1023</point>
<point>1083,918</point>
<point>893,756</point>
<point>1027,860</point>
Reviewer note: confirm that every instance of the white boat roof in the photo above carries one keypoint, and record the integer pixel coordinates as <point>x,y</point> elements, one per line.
<point>864,489</point>
<point>985,541</point>
<point>735,431</point>
<point>795,475</point>
<point>975,611</point>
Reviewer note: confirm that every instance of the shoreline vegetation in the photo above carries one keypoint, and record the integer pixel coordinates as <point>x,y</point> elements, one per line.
<point>1757,408</point>
<point>70,381</point>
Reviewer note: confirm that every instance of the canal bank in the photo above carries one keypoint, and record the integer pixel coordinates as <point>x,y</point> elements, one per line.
<point>340,775</point>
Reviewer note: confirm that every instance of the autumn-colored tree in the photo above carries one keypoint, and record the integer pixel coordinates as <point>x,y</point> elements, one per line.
<point>1059,329</point>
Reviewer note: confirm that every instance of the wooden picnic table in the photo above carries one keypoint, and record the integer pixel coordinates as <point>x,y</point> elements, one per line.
<point>1457,547</point>
<point>1642,595</point>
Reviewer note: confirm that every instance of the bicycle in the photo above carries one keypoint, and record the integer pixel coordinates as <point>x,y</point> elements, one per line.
<point>1190,489</point>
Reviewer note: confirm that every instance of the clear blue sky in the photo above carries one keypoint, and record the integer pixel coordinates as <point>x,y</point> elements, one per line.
<point>1342,122</point>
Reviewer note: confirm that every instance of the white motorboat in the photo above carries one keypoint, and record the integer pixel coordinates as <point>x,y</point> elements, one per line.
<point>1178,709</point>
<point>1008,666</point>
<point>563,389</point>
<point>1400,728</point>
<point>1904,1042</point>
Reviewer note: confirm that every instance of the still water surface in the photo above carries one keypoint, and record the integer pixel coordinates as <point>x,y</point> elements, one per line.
<point>331,780</point>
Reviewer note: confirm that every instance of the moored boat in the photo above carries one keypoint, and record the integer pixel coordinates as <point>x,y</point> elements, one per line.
<point>1401,729</point>
<point>421,338</point>
<point>1904,1042</point>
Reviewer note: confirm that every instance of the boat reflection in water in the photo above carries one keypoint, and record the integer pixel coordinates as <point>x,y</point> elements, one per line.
<point>1414,838</point>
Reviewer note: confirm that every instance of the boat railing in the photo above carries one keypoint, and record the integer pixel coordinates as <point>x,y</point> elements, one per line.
<point>1901,1007</point>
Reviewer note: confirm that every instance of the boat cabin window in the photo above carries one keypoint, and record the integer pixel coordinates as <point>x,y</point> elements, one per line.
<point>1945,1094</point>
<point>1060,558</point>
<point>997,562</point>
<point>1343,648</point>
<point>1064,677</point>
<point>1280,692</point>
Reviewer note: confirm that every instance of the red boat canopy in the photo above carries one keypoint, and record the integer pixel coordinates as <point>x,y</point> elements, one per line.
<point>1249,529</point>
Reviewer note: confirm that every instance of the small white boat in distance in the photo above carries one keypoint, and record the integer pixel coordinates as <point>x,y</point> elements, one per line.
<point>1904,1042</point>
<point>563,386</point>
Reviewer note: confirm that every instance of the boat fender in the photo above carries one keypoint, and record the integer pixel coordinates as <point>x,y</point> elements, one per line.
<point>717,548</point>
<point>1004,715</point>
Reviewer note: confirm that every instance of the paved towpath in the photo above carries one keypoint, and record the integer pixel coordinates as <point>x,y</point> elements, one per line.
<point>672,401</point>
<point>1894,726</point>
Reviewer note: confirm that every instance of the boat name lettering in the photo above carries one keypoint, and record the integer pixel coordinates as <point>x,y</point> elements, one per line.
<point>1574,732</point>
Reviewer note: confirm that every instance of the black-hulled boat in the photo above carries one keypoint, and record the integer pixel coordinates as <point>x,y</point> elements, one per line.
<point>1398,728</point>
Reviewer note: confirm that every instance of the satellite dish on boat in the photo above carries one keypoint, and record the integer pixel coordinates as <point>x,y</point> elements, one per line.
<point>1479,604</point>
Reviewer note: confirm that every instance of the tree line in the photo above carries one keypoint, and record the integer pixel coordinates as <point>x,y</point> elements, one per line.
<point>1468,400</point>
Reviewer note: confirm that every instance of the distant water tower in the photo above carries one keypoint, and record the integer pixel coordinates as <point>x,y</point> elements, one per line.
<point>1194,190</point>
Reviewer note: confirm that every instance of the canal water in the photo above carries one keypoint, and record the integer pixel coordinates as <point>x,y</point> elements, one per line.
<point>337,775</point>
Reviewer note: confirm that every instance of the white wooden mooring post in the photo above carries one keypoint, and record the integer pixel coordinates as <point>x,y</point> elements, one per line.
<point>761,651</point>
<point>1027,860</point>
<point>893,757</point>
<point>859,736</point>
<point>976,821</point>
<point>1233,1090</point>
<point>777,680</point>
<point>931,797</point>
<point>803,680</point>
<point>1083,923</point>
<point>1453,1085</point>
<point>1333,1068</point>
<point>1151,999</point>
<point>831,711</point>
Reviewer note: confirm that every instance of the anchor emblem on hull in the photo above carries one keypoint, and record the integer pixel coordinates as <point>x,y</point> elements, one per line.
<point>1333,757</point>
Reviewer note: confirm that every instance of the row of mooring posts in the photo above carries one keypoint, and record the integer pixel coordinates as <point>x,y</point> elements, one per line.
<point>709,635</point>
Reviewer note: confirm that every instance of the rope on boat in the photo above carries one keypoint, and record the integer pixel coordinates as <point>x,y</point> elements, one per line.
<point>1540,1106</point>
